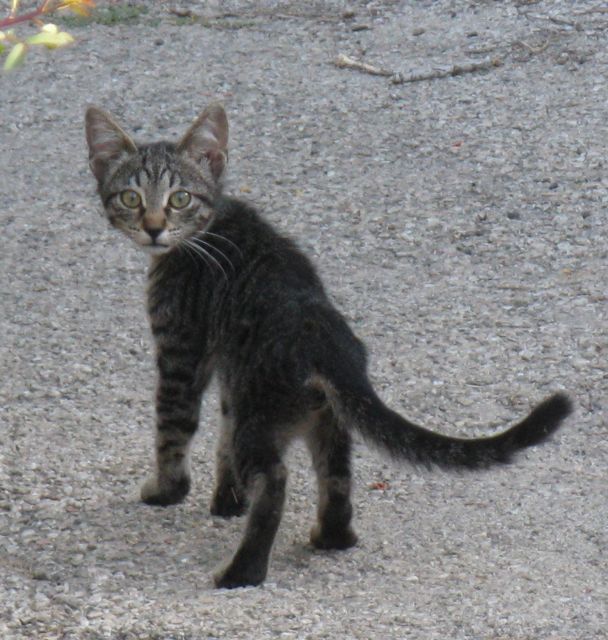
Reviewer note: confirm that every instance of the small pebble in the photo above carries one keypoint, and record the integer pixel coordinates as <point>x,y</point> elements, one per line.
<point>40,574</point>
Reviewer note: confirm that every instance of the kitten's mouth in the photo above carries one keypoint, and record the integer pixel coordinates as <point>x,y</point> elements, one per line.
<point>155,248</point>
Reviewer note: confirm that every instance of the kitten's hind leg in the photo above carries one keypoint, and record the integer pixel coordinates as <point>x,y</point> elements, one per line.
<point>260,467</point>
<point>228,497</point>
<point>330,447</point>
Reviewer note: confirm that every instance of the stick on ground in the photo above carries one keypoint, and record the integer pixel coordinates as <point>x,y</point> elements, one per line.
<point>344,62</point>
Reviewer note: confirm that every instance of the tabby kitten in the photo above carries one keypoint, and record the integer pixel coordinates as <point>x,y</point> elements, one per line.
<point>228,295</point>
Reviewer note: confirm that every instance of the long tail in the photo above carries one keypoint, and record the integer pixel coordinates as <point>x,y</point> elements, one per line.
<point>357,405</point>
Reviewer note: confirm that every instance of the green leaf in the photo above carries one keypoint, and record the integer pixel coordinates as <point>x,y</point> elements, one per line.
<point>51,40</point>
<point>16,56</point>
<point>2,48</point>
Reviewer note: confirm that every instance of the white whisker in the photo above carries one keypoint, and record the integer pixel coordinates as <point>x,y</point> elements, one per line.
<point>188,251</point>
<point>204,254</point>
<point>217,235</point>
<point>219,251</point>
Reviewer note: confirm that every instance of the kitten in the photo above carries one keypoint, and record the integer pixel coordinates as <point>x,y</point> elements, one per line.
<point>229,295</point>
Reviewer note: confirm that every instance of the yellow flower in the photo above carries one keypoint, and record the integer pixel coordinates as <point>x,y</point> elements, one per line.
<point>80,7</point>
<point>51,37</point>
<point>49,28</point>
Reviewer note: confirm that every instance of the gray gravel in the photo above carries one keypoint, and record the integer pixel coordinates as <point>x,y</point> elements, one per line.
<point>459,223</point>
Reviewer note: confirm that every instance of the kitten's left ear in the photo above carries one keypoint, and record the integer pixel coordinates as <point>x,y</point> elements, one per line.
<point>107,141</point>
<point>207,139</point>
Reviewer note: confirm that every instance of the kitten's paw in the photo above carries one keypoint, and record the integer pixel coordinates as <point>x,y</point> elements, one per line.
<point>228,502</point>
<point>163,495</point>
<point>332,539</point>
<point>241,574</point>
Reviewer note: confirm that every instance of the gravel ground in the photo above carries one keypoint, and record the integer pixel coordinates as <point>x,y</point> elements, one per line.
<point>460,224</point>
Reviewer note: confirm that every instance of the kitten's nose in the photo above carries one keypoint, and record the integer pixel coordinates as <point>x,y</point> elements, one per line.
<point>154,233</point>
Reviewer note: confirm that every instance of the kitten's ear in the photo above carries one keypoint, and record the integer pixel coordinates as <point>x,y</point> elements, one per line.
<point>207,139</point>
<point>107,141</point>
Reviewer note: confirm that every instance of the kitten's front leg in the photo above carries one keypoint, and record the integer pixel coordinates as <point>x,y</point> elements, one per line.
<point>182,379</point>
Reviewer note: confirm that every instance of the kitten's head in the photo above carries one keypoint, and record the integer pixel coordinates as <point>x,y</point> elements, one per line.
<point>160,194</point>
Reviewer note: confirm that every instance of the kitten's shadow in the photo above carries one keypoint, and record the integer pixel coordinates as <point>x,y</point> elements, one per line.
<point>125,544</point>
<point>126,539</point>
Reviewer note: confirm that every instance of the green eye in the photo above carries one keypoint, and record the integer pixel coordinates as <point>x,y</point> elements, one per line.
<point>130,198</point>
<point>180,199</point>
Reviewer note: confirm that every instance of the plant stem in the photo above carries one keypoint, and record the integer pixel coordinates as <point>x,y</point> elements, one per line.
<point>25,17</point>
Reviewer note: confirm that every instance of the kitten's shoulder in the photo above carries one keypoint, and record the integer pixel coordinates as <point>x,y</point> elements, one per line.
<point>228,207</point>
<point>278,251</point>
<point>242,218</point>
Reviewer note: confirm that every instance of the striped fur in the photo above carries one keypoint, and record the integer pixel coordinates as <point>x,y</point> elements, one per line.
<point>230,296</point>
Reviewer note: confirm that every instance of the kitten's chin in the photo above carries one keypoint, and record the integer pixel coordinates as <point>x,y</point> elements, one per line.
<point>155,249</point>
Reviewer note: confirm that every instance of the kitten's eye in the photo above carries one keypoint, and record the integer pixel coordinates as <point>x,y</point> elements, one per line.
<point>180,199</point>
<point>130,198</point>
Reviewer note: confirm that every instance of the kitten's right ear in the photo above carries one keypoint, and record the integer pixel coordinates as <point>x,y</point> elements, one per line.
<point>107,141</point>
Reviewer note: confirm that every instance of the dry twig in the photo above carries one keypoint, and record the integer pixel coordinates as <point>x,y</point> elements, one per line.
<point>532,49</point>
<point>344,62</point>
<point>586,12</point>
<point>563,21</point>
<point>454,70</point>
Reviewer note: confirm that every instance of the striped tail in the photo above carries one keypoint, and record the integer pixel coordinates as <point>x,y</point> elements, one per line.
<point>358,406</point>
